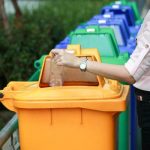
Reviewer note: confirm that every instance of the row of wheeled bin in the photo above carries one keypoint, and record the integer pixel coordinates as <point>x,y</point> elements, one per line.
<point>88,112</point>
<point>113,32</point>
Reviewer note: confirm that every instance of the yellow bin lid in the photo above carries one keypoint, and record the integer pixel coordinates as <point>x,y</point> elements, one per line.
<point>80,89</point>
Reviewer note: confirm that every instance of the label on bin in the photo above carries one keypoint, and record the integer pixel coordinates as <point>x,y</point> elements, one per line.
<point>116,6</point>
<point>90,30</point>
<point>101,21</point>
<point>107,16</point>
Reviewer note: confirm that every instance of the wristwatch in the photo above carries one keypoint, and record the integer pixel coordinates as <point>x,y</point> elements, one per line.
<point>83,65</point>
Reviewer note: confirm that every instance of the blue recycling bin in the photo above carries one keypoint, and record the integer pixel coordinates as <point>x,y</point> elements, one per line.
<point>128,12</point>
<point>61,46</point>
<point>82,26</point>
<point>114,16</point>
<point>133,120</point>
<point>116,24</point>
<point>118,9</point>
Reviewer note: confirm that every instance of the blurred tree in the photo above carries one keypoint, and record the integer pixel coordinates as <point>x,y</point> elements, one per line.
<point>17,9</point>
<point>18,13</point>
<point>3,18</point>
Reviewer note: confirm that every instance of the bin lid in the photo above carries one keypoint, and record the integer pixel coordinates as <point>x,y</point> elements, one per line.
<point>107,95</point>
<point>102,38</point>
<point>117,25</point>
<point>112,97</point>
<point>111,15</point>
<point>133,5</point>
<point>120,9</point>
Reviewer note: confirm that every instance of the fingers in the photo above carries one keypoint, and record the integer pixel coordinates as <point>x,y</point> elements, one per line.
<point>59,61</point>
<point>56,57</point>
<point>57,51</point>
<point>63,57</point>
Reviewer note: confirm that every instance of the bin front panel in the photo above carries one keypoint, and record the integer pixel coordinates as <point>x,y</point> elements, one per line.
<point>67,129</point>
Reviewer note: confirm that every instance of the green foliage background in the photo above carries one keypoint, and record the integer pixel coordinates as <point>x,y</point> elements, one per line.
<point>41,30</point>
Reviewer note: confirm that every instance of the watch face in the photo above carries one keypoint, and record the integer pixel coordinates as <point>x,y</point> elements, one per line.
<point>83,66</point>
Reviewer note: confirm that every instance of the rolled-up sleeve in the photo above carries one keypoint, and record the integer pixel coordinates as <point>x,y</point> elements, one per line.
<point>139,62</point>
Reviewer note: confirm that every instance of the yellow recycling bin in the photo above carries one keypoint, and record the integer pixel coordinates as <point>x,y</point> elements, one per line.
<point>80,115</point>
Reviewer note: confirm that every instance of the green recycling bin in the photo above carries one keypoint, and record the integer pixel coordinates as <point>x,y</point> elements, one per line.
<point>101,38</point>
<point>37,65</point>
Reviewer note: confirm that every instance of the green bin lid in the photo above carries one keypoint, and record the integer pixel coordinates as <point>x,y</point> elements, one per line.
<point>102,38</point>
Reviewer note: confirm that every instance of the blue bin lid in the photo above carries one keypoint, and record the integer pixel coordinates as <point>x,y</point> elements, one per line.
<point>113,16</point>
<point>116,24</point>
<point>121,9</point>
<point>82,26</point>
<point>63,43</point>
<point>66,40</point>
<point>61,46</point>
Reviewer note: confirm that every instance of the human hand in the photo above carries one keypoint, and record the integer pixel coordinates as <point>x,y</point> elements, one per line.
<point>63,57</point>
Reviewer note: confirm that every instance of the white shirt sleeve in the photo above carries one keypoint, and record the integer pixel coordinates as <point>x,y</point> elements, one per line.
<point>139,62</point>
<point>144,25</point>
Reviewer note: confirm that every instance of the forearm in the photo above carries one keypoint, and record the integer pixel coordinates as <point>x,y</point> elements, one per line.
<point>116,72</point>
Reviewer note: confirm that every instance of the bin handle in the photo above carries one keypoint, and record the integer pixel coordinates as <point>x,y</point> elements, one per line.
<point>7,102</point>
<point>1,95</point>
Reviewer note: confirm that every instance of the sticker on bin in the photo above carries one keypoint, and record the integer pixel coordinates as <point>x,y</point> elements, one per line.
<point>116,6</point>
<point>90,30</point>
<point>102,21</point>
<point>107,15</point>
